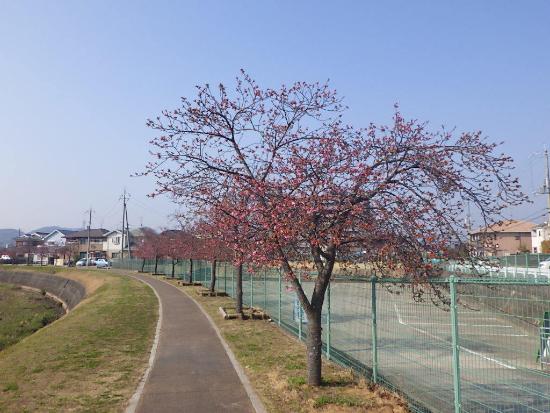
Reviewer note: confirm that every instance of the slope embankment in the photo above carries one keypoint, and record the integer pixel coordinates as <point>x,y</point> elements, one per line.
<point>90,360</point>
<point>68,291</point>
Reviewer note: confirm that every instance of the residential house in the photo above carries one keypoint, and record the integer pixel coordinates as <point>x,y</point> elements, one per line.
<point>113,244</point>
<point>97,241</point>
<point>539,234</point>
<point>31,248</point>
<point>138,234</point>
<point>26,242</point>
<point>56,238</point>
<point>505,238</point>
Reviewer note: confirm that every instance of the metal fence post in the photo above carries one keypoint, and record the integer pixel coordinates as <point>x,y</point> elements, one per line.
<point>225,277</point>
<point>515,265</point>
<point>456,345</point>
<point>328,321</point>
<point>251,291</point>
<point>265,289</point>
<point>374,332</point>
<point>299,310</point>
<point>233,280</point>
<point>506,266</point>
<point>280,296</point>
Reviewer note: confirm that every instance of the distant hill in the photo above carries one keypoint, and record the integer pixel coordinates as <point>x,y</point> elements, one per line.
<point>7,235</point>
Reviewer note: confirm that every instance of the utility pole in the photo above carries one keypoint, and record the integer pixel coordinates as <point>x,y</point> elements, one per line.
<point>468,220</point>
<point>128,234</point>
<point>545,190</point>
<point>547,185</point>
<point>89,228</point>
<point>124,198</point>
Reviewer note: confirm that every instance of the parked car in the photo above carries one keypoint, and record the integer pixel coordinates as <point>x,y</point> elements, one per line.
<point>102,263</point>
<point>5,259</point>
<point>545,265</point>
<point>82,262</point>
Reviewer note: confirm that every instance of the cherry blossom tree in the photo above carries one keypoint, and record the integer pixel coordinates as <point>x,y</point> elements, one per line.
<point>302,186</point>
<point>146,249</point>
<point>213,247</point>
<point>191,248</point>
<point>175,242</point>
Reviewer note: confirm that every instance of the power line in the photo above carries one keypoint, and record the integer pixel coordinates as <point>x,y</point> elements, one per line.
<point>111,210</point>
<point>140,205</point>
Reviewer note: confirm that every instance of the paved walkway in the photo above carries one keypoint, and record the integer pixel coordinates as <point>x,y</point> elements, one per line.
<point>192,372</point>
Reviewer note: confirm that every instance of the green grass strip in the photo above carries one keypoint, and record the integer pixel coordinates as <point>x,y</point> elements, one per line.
<point>88,361</point>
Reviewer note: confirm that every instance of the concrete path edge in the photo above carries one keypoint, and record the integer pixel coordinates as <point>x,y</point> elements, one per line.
<point>252,395</point>
<point>134,400</point>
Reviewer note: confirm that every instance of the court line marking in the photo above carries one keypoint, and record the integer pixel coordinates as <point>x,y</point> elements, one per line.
<point>460,324</point>
<point>467,350</point>
<point>469,319</point>
<point>501,335</point>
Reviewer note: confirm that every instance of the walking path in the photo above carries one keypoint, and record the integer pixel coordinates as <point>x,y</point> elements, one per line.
<point>192,371</point>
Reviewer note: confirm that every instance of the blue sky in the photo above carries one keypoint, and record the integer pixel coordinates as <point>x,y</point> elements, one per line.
<point>79,79</point>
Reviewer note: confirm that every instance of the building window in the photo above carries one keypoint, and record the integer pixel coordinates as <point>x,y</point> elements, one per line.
<point>116,240</point>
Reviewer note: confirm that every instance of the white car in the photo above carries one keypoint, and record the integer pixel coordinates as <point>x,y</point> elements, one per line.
<point>545,265</point>
<point>102,263</point>
<point>5,257</point>
<point>82,262</point>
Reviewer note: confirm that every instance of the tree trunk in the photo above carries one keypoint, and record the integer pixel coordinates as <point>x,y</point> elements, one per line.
<point>173,268</point>
<point>314,347</point>
<point>156,264</point>
<point>239,291</point>
<point>143,265</point>
<point>190,270</point>
<point>213,277</point>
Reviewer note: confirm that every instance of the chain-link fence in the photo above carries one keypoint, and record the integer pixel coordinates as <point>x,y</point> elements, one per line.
<point>510,266</point>
<point>463,344</point>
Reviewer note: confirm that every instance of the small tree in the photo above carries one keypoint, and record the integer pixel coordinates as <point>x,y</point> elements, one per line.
<point>213,247</point>
<point>191,248</point>
<point>311,189</point>
<point>235,232</point>
<point>146,248</point>
<point>545,247</point>
<point>176,242</point>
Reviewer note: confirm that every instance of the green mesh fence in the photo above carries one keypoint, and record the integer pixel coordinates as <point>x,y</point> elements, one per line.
<point>524,266</point>
<point>469,345</point>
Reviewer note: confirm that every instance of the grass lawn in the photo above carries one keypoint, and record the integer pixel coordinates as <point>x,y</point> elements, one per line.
<point>22,312</point>
<point>275,363</point>
<point>88,361</point>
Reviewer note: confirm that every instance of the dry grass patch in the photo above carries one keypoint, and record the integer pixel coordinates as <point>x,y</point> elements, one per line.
<point>91,279</point>
<point>91,359</point>
<point>275,363</point>
<point>22,312</point>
